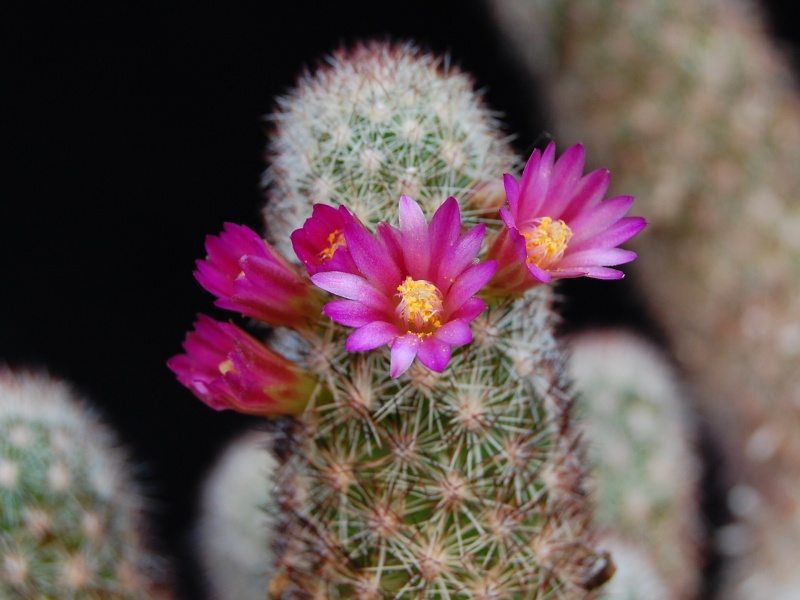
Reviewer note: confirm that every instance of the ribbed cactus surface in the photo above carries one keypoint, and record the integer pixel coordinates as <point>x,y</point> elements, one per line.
<point>372,124</point>
<point>70,516</point>
<point>466,484</point>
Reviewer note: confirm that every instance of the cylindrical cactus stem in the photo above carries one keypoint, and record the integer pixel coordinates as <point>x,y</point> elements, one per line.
<point>426,484</point>
<point>462,484</point>
<point>374,123</point>
<point>235,530</point>
<point>641,442</point>
<point>697,113</point>
<point>72,519</point>
<point>434,453</point>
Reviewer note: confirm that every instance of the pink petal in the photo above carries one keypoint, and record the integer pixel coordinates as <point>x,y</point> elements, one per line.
<point>460,257</point>
<point>391,239</point>
<point>567,173</point>
<point>616,234</point>
<point>404,350</point>
<point>351,287</point>
<point>372,259</point>
<point>600,217</point>
<point>444,230</point>
<point>372,335</point>
<point>592,272</point>
<point>469,283</point>
<point>469,310</point>
<point>414,230</point>
<point>352,313</point>
<point>535,184</point>
<point>512,193</point>
<point>538,272</point>
<point>600,257</point>
<point>590,191</point>
<point>455,332</point>
<point>434,353</point>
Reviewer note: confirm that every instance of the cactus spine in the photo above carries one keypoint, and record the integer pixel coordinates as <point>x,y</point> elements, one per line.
<point>70,516</point>
<point>465,484</point>
<point>691,104</point>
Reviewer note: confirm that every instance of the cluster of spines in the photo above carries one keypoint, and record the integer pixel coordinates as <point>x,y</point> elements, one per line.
<point>380,121</point>
<point>71,519</point>
<point>467,484</point>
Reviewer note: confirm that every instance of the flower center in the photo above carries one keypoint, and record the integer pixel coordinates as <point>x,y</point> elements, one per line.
<point>420,306</point>
<point>335,241</point>
<point>225,366</point>
<point>546,241</point>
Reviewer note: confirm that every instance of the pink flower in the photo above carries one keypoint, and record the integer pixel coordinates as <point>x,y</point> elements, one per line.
<point>251,277</point>
<point>228,369</point>
<point>411,288</point>
<point>320,244</point>
<point>558,224</point>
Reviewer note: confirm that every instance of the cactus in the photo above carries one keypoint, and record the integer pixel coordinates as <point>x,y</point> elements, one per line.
<point>71,518</point>
<point>693,107</point>
<point>235,525</point>
<point>377,122</point>
<point>434,453</point>
<point>645,471</point>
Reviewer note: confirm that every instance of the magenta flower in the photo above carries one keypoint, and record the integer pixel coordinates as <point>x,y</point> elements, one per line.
<point>320,244</point>
<point>251,277</point>
<point>228,369</point>
<point>412,288</point>
<point>558,224</point>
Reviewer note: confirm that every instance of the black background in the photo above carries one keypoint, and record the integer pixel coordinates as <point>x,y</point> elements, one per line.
<point>132,132</point>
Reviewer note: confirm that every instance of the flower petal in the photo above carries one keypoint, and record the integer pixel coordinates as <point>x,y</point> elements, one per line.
<point>434,353</point>
<point>371,258</point>
<point>444,231</point>
<point>352,287</point>
<point>455,332</point>
<point>469,310</point>
<point>460,257</point>
<point>589,191</point>
<point>372,335</point>
<point>512,193</point>
<point>597,257</point>
<point>351,313</point>
<point>404,350</point>
<point>535,183</point>
<point>600,217</point>
<point>469,283</point>
<point>414,230</point>
<point>567,173</point>
<point>616,234</point>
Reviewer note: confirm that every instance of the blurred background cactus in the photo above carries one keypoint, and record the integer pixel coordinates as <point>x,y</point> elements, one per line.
<point>646,470</point>
<point>696,110</point>
<point>72,520</point>
<point>235,524</point>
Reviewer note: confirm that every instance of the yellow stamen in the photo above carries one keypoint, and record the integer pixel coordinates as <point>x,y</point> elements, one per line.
<point>547,241</point>
<point>420,306</point>
<point>335,240</point>
<point>225,366</point>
